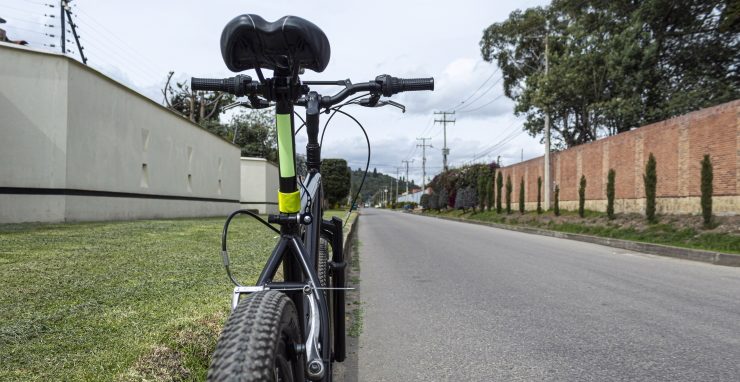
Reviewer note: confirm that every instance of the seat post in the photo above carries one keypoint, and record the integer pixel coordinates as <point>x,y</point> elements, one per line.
<point>289,199</point>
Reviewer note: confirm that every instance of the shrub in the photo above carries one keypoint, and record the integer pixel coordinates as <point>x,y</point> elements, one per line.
<point>556,202</point>
<point>470,198</point>
<point>434,202</point>
<point>521,196</point>
<point>444,199</point>
<point>489,190</point>
<point>539,195</point>
<point>460,199</point>
<point>582,196</point>
<point>651,182</point>
<point>425,201</point>
<point>481,190</point>
<point>508,194</point>
<point>336,177</point>
<point>499,185</point>
<point>610,193</point>
<point>706,190</point>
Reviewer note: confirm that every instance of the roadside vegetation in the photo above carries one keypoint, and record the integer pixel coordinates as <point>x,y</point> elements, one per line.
<point>676,230</point>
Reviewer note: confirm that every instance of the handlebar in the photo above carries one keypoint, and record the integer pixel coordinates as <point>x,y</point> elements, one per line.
<point>386,85</point>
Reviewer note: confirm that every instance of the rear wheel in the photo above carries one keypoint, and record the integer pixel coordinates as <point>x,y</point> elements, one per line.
<point>258,342</point>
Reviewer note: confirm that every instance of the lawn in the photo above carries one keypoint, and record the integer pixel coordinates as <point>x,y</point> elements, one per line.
<point>118,300</point>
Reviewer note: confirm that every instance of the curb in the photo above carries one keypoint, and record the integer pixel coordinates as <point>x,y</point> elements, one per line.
<point>712,257</point>
<point>349,238</point>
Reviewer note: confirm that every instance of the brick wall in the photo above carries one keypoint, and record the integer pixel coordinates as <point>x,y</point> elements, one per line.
<point>678,145</point>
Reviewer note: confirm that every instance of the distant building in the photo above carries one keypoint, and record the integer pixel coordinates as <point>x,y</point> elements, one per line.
<point>414,196</point>
<point>259,185</point>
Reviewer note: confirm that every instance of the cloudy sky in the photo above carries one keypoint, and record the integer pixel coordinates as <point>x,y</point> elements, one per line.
<point>138,42</point>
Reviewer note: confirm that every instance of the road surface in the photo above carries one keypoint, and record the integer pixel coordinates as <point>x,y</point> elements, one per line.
<point>449,301</point>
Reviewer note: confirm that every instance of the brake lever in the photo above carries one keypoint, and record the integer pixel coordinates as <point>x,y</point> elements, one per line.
<point>237,104</point>
<point>395,104</point>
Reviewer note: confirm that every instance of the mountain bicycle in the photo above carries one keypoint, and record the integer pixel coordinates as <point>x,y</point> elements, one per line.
<point>291,329</point>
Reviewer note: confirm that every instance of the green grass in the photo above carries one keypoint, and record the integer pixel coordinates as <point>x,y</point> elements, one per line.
<point>665,234</point>
<point>118,300</point>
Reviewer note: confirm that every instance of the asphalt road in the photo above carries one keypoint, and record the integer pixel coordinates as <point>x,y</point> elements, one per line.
<point>448,301</point>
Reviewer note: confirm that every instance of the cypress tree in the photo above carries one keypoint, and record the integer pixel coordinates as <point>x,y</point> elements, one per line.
<point>481,191</point>
<point>610,193</point>
<point>508,194</point>
<point>521,196</point>
<point>539,195</point>
<point>582,196</point>
<point>489,190</point>
<point>556,202</point>
<point>706,190</point>
<point>650,179</point>
<point>499,185</point>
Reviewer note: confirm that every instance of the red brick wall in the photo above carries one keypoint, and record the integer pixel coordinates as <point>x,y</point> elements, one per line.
<point>678,145</point>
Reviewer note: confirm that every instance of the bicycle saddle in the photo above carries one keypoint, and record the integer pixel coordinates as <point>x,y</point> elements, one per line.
<point>249,41</point>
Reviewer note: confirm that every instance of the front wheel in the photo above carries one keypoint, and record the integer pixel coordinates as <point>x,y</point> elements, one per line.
<point>258,342</point>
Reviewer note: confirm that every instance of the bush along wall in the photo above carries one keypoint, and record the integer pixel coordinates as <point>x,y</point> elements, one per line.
<point>521,196</point>
<point>508,194</point>
<point>499,185</point>
<point>556,202</point>
<point>610,193</point>
<point>539,195</point>
<point>650,179</point>
<point>582,196</point>
<point>706,190</point>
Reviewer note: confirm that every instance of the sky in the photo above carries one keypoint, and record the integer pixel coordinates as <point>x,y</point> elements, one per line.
<point>138,42</point>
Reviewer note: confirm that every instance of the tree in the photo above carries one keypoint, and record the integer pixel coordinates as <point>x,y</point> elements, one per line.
<point>336,178</point>
<point>499,185</point>
<point>582,196</point>
<point>706,190</point>
<point>489,189</point>
<point>556,202</point>
<point>434,202</point>
<point>460,200</point>
<point>614,66</point>
<point>481,190</point>
<point>650,178</point>
<point>375,172</point>
<point>610,193</point>
<point>508,194</point>
<point>203,108</point>
<point>539,195</point>
<point>471,198</point>
<point>425,201</point>
<point>521,196</point>
<point>254,132</point>
<point>443,201</point>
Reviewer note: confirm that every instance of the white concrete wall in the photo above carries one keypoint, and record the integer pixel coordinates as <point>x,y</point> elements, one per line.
<point>259,185</point>
<point>65,126</point>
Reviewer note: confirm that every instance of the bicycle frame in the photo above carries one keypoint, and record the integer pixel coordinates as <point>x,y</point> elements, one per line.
<point>302,226</point>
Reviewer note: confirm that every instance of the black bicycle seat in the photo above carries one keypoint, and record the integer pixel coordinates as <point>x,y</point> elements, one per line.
<point>249,41</point>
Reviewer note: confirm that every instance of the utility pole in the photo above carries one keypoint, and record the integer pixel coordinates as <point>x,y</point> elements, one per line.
<point>407,174</point>
<point>66,14</point>
<point>444,121</point>
<point>423,146</point>
<point>63,5</point>
<point>548,182</point>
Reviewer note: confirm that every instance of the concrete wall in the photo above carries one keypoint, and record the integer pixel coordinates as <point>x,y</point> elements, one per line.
<point>77,145</point>
<point>259,185</point>
<point>678,145</point>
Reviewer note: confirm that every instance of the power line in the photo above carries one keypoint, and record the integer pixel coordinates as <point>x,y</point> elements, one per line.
<point>476,90</point>
<point>481,95</point>
<point>484,105</point>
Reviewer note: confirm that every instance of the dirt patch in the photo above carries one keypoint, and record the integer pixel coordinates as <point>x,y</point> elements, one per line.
<point>161,364</point>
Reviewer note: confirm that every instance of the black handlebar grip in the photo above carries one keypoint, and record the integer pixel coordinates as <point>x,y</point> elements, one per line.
<point>212,84</point>
<point>390,85</point>
<point>415,84</point>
